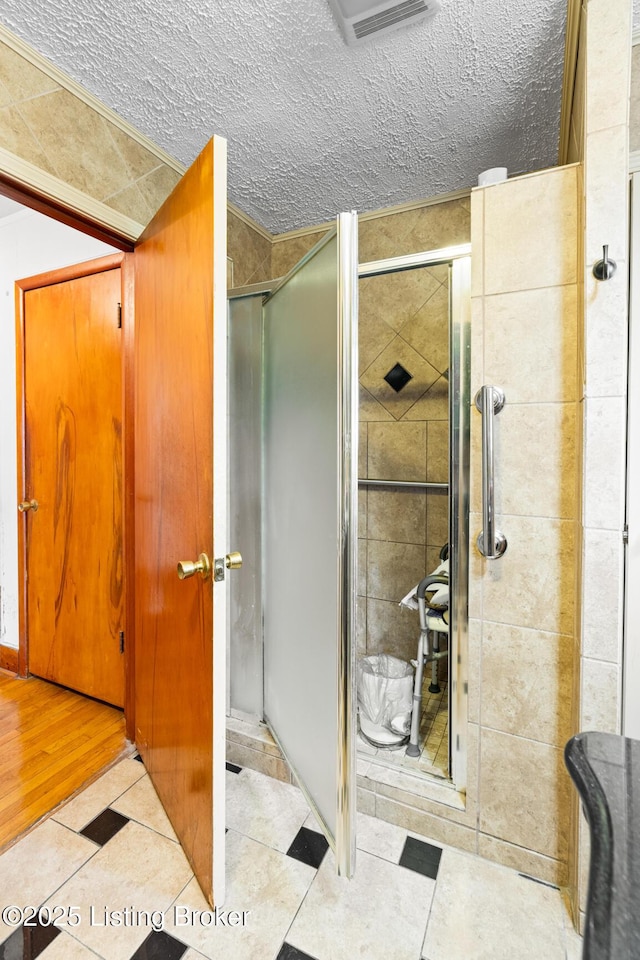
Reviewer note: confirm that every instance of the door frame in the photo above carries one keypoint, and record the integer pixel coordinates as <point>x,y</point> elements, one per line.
<point>49,278</point>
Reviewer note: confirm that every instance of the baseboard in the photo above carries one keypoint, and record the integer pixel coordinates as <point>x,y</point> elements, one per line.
<point>8,659</point>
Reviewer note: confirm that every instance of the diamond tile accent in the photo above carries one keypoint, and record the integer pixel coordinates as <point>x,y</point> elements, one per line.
<point>287,952</point>
<point>309,847</point>
<point>27,943</point>
<point>105,826</point>
<point>160,946</point>
<point>398,377</point>
<point>422,857</point>
<point>233,767</point>
<point>423,375</point>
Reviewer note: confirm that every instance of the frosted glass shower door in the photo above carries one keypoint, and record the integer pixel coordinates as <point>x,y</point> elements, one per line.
<point>310,527</point>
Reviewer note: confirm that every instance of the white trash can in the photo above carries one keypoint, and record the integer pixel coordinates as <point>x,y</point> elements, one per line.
<point>385,699</point>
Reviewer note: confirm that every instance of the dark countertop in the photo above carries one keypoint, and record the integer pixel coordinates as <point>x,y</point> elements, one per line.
<point>605,768</point>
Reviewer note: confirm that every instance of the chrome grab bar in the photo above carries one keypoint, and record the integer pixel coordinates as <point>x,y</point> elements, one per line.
<point>491,543</point>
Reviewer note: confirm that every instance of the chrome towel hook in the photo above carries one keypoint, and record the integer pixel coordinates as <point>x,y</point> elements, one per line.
<point>604,269</point>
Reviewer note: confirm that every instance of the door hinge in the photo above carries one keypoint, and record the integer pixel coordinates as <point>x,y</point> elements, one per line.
<point>119,316</point>
<point>122,641</point>
<point>625,533</point>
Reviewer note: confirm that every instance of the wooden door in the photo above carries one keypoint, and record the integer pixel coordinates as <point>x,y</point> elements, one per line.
<point>180,508</point>
<point>72,368</point>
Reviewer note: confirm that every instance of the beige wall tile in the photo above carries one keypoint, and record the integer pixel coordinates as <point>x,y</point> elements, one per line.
<point>606,334</point>
<point>634,105</point>
<point>533,585</point>
<point>602,562</point>
<point>256,736</point>
<point>477,242</point>
<point>536,462</point>
<point>16,137</point>
<point>393,568</point>
<point>437,518</point>
<point>397,297</point>
<point>604,463</point>
<point>397,515</point>
<point>427,330</point>
<point>432,405</point>
<point>527,681</point>
<point>438,451</point>
<point>422,373</point>
<point>156,186</point>
<point>607,55</point>
<point>366,802</point>
<point>474,677</point>
<point>363,499</point>
<point>397,451</point>
<point>250,251</point>
<point>361,627</point>
<point>257,760</point>
<point>531,344</point>
<point>363,448</point>
<point>362,567</point>
<point>427,228</point>
<point>374,334</point>
<point>21,78</point>
<point>524,793</point>
<point>88,158</point>
<point>131,202</point>
<point>391,629</point>
<point>371,409</point>
<point>531,231</point>
<point>138,160</point>
<point>600,700</point>
<point>426,825</point>
<point>525,861</point>
<point>477,569</point>
<point>606,193</point>
<point>477,345</point>
<point>286,253</point>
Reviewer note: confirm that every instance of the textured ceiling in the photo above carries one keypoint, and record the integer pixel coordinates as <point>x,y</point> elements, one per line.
<point>314,126</point>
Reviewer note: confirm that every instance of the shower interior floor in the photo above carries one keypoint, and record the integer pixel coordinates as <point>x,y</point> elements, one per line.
<point>434,737</point>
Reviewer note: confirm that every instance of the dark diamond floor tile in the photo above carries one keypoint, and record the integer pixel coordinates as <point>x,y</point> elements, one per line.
<point>309,847</point>
<point>287,952</point>
<point>422,857</point>
<point>160,946</point>
<point>105,826</point>
<point>233,768</point>
<point>27,943</point>
<point>138,757</point>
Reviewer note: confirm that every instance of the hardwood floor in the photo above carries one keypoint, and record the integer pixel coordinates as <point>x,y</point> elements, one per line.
<point>52,741</point>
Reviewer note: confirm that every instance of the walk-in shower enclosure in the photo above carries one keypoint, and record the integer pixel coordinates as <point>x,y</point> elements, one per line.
<point>293,426</point>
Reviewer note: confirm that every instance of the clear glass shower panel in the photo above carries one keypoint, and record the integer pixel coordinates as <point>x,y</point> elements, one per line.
<point>309,512</point>
<point>245,507</point>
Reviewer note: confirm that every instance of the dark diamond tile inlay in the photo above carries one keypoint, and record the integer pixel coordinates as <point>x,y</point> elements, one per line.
<point>138,758</point>
<point>160,946</point>
<point>27,943</point>
<point>309,847</point>
<point>287,952</point>
<point>398,377</point>
<point>105,826</point>
<point>422,857</point>
<point>233,768</point>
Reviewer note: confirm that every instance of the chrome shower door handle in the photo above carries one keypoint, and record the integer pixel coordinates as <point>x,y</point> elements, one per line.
<point>491,543</point>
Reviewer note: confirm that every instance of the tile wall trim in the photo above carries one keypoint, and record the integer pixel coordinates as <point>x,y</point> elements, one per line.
<point>376,214</point>
<point>27,175</point>
<point>58,76</point>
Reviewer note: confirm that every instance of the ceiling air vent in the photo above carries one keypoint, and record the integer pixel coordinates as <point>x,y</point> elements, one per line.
<point>360,20</point>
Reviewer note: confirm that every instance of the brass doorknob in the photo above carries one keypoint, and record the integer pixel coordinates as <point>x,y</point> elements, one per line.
<point>233,561</point>
<point>25,505</point>
<point>187,568</point>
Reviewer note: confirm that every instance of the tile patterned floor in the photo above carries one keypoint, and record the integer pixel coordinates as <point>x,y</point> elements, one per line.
<point>434,737</point>
<point>113,849</point>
